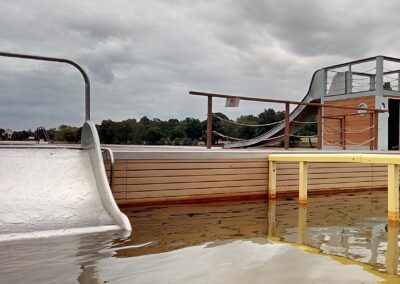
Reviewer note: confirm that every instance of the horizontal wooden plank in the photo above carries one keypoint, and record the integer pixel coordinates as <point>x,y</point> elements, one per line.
<point>171,166</point>
<point>337,181</point>
<point>311,171</point>
<point>119,188</point>
<point>185,161</point>
<point>186,179</point>
<point>334,185</point>
<point>190,197</point>
<point>192,192</point>
<point>119,195</point>
<point>184,172</point>
<point>194,185</point>
<point>335,176</point>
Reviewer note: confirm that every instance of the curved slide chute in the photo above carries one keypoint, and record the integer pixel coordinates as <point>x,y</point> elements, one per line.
<point>300,113</point>
<point>56,191</point>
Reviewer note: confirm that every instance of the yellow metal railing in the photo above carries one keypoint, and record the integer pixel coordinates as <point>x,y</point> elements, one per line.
<point>392,161</point>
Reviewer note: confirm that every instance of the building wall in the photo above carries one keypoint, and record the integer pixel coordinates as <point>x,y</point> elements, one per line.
<point>354,123</point>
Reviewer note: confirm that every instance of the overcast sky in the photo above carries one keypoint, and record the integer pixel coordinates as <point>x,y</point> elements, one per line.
<point>144,56</point>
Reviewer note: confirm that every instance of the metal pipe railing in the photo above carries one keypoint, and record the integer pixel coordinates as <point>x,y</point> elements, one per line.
<point>62,60</point>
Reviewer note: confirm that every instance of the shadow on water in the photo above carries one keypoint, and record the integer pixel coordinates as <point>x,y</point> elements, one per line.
<point>347,225</point>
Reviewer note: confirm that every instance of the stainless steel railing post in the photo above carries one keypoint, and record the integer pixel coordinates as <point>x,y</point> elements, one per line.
<point>62,60</point>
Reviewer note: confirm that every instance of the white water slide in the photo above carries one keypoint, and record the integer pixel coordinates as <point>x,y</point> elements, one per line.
<point>300,113</point>
<point>51,191</point>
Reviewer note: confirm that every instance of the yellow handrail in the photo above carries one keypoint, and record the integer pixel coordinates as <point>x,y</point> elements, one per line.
<point>338,158</point>
<point>392,161</point>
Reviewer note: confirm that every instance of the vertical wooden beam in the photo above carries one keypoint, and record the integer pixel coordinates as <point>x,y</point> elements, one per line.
<point>392,250</point>
<point>302,224</point>
<point>303,181</point>
<point>393,192</point>
<point>319,125</point>
<point>371,131</point>
<point>272,179</point>
<point>209,122</point>
<point>287,125</point>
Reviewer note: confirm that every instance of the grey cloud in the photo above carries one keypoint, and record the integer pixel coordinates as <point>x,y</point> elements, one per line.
<point>144,56</point>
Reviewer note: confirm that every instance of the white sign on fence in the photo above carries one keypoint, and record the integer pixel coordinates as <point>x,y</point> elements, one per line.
<point>232,102</point>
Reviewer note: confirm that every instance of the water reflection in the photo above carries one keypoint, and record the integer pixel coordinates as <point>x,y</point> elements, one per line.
<point>302,224</point>
<point>350,225</point>
<point>392,255</point>
<point>271,217</point>
<point>353,226</point>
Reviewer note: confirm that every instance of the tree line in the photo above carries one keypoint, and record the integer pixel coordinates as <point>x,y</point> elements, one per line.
<point>189,131</point>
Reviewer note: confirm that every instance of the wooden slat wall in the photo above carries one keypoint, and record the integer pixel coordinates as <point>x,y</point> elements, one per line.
<point>354,122</point>
<point>144,181</point>
<point>332,176</point>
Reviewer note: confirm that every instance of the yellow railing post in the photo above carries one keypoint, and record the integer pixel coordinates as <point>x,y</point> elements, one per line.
<point>272,179</point>
<point>393,192</point>
<point>303,173</point>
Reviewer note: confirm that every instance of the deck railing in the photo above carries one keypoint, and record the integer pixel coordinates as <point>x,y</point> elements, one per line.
<point>392,162</point>
<point>373,113</point>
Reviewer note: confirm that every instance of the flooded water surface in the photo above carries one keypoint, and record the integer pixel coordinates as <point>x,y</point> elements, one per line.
<point>334,239</point>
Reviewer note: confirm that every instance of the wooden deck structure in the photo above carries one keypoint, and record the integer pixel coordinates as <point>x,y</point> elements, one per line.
<point>203,176</point>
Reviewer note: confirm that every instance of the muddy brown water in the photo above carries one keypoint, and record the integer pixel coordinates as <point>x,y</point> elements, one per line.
<point>222,242</point>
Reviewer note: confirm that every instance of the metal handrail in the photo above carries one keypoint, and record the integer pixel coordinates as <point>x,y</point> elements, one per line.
<point>109,153</point>
<point>62,60</point>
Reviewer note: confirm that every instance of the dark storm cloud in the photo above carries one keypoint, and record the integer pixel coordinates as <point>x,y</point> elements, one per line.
<point>144,56</point>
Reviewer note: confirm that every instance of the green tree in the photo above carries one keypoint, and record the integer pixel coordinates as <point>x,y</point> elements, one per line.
<point>266,117</point>
<point>192,128</point>
<point>153,135</point>
<point>107,132</point>
<point>246,132</point>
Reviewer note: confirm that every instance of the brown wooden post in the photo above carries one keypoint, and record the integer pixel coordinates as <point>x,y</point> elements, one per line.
<point>371,131</point>
<point>319,125</point>
<point>342,136</point>
<point>287,125</point>
<point>209,122</point>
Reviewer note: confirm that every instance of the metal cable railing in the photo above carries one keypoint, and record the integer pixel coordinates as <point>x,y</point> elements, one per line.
<point>348,130</point>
